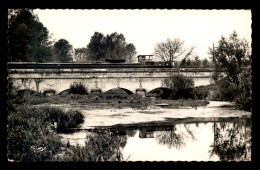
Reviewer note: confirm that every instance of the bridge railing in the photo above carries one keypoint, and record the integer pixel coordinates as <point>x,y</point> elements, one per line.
<point>64,67</point>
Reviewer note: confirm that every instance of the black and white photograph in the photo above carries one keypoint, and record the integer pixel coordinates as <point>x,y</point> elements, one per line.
<point>129,85</point>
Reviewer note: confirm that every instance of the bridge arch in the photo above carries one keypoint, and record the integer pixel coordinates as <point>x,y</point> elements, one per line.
<point>160,92</point>
<point>123,90</point>
<point>64,92</point>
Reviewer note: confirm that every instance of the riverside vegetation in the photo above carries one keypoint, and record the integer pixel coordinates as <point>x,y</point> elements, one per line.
<point>32,131</point>
<point>32,127</point>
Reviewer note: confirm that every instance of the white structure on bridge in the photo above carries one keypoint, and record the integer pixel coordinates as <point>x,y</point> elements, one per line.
<point>105,79</point>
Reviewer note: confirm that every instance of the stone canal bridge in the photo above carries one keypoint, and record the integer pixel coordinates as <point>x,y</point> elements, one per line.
<point>129,79</point>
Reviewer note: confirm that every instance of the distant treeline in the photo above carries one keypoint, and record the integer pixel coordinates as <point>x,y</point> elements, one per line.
<point>101,47</point>
<point>194,63</point>
<point>30,41</point>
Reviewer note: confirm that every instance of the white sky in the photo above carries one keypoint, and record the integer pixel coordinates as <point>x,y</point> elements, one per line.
<point>145,28</point>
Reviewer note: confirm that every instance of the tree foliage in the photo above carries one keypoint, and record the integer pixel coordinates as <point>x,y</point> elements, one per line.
<point>31,134</point>
<point>113,46</point>
<point>172,49</point>
<point>232,140</point>
<point>81,54</point>
<point>181,86</point>
<point>28,39</point>
<point>174,137</point>
<point>205,63</point>
<point>194,63</point>
<point>78,88</point>
<point>62,51</point>
<point>233,57</point>
<point>97,46</point>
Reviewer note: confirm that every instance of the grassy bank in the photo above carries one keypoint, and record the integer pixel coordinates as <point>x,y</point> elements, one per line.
<point>104,100</point>
<point>32,132</point>
<point>32,135</point>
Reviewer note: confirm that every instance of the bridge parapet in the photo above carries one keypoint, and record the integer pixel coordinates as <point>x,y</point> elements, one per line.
<point>40,79</point>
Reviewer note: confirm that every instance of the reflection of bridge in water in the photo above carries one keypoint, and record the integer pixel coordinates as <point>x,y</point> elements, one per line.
<point>227,138</point>
<point>231,137</point>
<point>130,78</point>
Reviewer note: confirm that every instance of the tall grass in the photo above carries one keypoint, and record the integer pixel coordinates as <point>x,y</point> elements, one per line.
<point>99,147</point>
<point>31,134</point>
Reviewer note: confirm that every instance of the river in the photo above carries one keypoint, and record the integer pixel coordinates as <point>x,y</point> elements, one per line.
<point>216,132</point>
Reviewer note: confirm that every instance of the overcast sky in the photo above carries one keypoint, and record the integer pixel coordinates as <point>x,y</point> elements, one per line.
<point>145,28</point>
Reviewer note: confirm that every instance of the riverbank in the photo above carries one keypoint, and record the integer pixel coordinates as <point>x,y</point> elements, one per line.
<point>111,116</point>
<point>106,101</point>
<point>129,119</point>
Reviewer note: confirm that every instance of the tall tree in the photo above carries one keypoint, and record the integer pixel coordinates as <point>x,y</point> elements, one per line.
<point>172,49</point>
<point>205,63</point>
<point>130,53</point>
<point>28,39</point>
<point>96,47</point>
<point>189,63</point>
<point>62,51</point>
<point>113,46</point>
<point>196,62</point>
<point>233,57</point>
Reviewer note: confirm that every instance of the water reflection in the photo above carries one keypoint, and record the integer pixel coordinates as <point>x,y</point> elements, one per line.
<point>225,140</point>
<point>105,146</point>
<point>174,138</point>
<point>170,138</point>
<point>147,132</point>
<point>232,140</point>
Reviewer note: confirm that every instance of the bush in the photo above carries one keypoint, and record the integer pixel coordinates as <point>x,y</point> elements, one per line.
<point>26,92</point>
<point>116,94</point>
<point>31,135</point>
<point>224,91</point>
<point>69,119</point>
<point>49,91</point>
<point>78,89</point>
<point>201,92</point>
<point>182,87</point>
<point>100,146</point>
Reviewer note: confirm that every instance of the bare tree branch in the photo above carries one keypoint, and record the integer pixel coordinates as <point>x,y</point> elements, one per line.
<point>170,50</point>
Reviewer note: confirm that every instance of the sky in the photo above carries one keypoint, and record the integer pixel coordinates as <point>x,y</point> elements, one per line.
<point>145,28</point>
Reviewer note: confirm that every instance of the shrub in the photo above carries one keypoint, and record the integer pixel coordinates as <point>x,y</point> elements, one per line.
<point>70,119</point>
<point>100,146</point>
<point>78,88</point>
<point>223,91</point>
<point>31,135</point>
<point>26,92</point>
<point>201,92</point>
<point>76,117</point>
<point>182,87</point>
<point>115,94</point>
<point>49,91</point>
